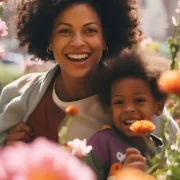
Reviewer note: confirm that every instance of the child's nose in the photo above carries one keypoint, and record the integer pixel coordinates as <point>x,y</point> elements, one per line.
<point>129,109</point>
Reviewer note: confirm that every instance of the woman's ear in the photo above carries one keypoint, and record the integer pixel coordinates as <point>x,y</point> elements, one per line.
<point>104,45</point>
<point>50,46</point>
<point>159,108</point>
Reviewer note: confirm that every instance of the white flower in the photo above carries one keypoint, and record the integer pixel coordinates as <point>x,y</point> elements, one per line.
<point>145,42</point>
<point>79,148</point>
<point>161,177</point>
<point>169,173</point>
<point>174,147</point>
<point>174,21</point>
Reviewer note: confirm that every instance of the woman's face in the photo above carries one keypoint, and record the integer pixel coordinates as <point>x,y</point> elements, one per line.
<point>77,40</point>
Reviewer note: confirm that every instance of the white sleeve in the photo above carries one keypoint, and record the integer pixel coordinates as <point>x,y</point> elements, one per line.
<point>173,127</point>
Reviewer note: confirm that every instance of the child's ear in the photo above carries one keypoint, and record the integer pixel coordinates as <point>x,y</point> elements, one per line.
<point>110,110</point>
<point>159,108</point>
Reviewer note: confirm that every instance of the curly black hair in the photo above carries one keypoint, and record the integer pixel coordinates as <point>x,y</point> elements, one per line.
<point>131,63</point>
<point>35,19</point>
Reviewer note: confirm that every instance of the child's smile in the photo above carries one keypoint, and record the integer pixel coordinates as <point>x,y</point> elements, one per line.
<point>131,100</point>
<point>129,122</point>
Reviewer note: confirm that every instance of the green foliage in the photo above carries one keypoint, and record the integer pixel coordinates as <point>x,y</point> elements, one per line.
<point>174,44</point>
<point>169,160</point>
<point>8,74</point>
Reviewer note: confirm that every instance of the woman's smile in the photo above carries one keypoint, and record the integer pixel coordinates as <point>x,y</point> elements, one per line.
<point>78,57</point>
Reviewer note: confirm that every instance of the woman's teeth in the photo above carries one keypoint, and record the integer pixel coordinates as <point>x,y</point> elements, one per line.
<point>77,57</point>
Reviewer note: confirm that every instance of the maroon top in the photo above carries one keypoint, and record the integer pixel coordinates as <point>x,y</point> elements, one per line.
<point>47,116</point>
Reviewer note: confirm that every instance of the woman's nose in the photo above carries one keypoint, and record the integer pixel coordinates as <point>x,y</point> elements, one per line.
<point>78,40</point>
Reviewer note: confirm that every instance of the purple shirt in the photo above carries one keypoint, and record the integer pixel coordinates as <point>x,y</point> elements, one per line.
<point>109,147</point>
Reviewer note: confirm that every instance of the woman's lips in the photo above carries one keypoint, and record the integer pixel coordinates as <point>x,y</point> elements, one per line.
<point>78,57</point>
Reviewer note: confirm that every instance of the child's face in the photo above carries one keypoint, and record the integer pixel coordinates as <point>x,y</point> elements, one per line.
<point>132,99</point>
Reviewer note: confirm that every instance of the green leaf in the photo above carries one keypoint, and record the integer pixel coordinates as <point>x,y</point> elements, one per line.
<point>62,135</point>
<point>174,65</point>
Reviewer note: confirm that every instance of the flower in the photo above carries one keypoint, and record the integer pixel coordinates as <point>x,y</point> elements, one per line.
<point>145,41</point>
<point>3,28</point>
<point>42,159</point>
<point>169,82</point>
<point>63,132</point>
<point>133,174</point>
<point>142,127</point>
<point>178,9</point>
<point>2,52</point>
<point>177,121</point>
<point>72,110</point>
<point>174,21</point>
<point>79,148</point>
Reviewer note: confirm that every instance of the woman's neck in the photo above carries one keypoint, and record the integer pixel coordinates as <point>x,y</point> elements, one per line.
<point>71,89</point>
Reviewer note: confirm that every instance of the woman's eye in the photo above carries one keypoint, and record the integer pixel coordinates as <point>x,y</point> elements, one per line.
<point>64,31</point>
<point>91,31</point>
<point>140,100</point>
<point>118,102</point>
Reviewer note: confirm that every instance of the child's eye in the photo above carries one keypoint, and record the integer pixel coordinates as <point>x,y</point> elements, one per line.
<point>140,100</point>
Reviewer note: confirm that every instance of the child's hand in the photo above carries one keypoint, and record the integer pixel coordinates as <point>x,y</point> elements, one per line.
<point>134,159</point>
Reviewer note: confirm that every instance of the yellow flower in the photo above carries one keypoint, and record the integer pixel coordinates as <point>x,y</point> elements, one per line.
<point>142,127</point>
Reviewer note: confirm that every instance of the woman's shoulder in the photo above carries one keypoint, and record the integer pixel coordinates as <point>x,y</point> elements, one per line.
<point>22,83</point>
<point>26,81</point>
<point>18,87</point>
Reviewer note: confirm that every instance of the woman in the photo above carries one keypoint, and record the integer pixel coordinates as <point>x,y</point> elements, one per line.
<point>77,34</point>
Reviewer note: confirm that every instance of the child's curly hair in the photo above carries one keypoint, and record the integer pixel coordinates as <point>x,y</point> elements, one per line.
<point>120,21</point>
<point>131,63</point>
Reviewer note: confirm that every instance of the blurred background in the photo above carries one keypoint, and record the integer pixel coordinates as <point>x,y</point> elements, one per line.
<point>156,24</point>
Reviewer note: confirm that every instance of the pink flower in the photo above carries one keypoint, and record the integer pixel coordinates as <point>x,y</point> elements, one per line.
<point>79,148</point>
<point>41,159</point>
<point>3,28</point>
<point>2,52</point>
<point>178,9</point>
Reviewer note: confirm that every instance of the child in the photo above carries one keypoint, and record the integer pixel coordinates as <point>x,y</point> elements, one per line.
<point>129,91</point>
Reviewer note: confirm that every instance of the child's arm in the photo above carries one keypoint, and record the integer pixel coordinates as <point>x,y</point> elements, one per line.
<point>98,158</point>
<point>134,159</point>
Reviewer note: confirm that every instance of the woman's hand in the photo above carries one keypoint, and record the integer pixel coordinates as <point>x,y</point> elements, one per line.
<point>134,159</point>
<point>20,132</point>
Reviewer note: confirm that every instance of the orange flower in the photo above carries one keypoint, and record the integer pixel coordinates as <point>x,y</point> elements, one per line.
<point>142,127</point>
<point>133,174</point>
<point>169,82</point>
<point>72,110</point>
<point>67,147</point>
<point>47,174</point>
